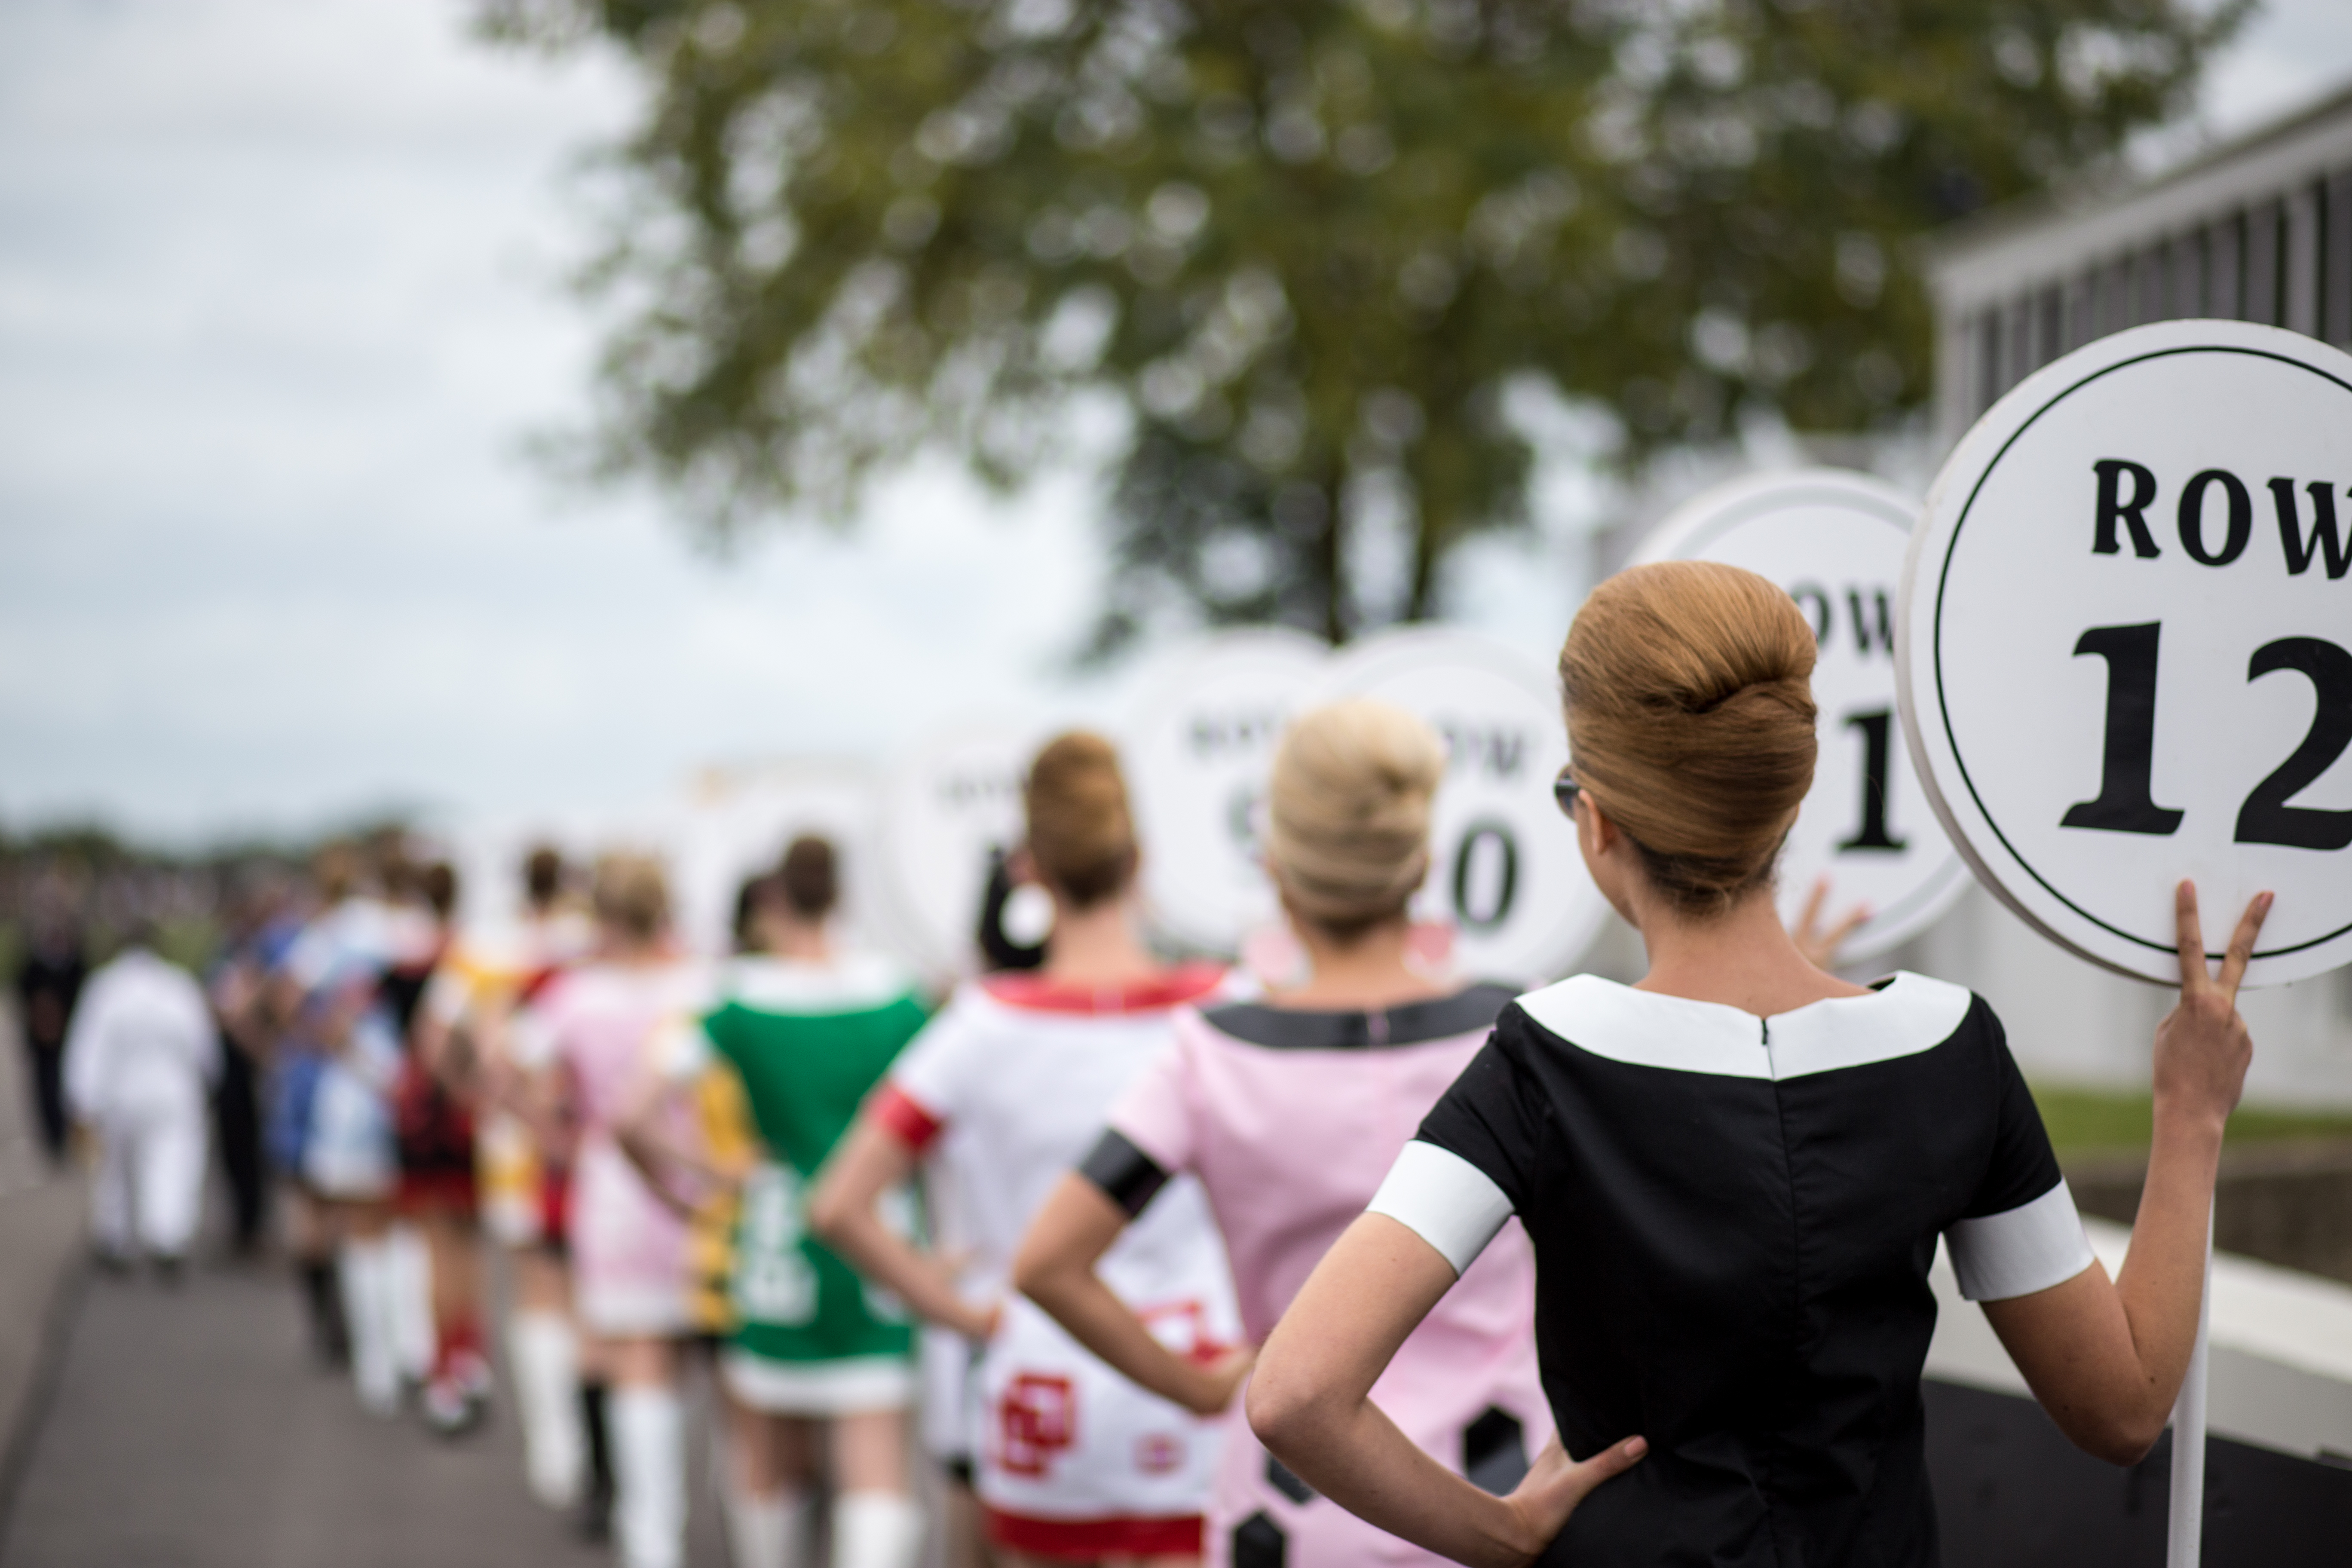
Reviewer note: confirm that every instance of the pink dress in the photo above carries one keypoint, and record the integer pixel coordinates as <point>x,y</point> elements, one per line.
<point>602,1023</point>
<point>1291,1119</point>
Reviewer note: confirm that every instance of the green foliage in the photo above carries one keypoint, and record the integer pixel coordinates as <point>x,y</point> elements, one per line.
<point>1309,245</point>
<point>2089,1121</point>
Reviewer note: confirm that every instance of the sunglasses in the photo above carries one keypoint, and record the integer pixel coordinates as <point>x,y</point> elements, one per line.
<point>1564,791</point>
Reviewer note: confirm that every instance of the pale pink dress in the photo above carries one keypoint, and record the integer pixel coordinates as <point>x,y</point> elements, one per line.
<point>1291,1120</point>
<point>604,1024</point>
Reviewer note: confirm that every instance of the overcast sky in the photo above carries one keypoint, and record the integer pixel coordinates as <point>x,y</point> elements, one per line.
<point>280,298</point>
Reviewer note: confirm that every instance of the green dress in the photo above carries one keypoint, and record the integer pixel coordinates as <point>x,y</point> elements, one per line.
<point>807,1041</point>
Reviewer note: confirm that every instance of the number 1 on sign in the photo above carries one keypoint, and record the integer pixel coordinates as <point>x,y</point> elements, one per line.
<point>2125,803</point>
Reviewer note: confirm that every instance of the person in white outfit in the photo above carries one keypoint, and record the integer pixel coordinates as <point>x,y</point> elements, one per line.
<point>140,1060</point>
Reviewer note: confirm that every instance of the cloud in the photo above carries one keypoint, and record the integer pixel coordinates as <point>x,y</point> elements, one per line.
<point>278,300</point>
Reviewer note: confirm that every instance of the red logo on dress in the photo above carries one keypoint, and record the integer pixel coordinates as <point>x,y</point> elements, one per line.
<point>1036,1417</point>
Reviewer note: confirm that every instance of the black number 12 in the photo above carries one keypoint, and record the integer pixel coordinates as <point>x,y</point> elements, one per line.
<point>2125,804</point>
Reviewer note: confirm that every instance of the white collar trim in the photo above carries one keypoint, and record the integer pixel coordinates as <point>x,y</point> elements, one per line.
<point>1642,1029</point>
<point>851,983</point>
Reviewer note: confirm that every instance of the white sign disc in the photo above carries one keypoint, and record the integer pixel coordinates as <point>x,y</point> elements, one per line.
<point>1835,540</point>
<point>1505,872</point>
<point>2126,641</point>
<point>947,807</point>
<point>1198,743</point>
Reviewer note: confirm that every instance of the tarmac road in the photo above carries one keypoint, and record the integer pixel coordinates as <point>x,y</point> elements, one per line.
<point>190,1428</point>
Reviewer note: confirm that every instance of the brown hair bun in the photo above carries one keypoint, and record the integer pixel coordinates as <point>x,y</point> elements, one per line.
<point>1690,721</point>
<point>1081,834</point>
<point>809,876</point>
<point>1348,813</point>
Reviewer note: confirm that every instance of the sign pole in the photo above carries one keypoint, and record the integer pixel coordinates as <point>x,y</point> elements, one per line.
<point>2185,1537</point>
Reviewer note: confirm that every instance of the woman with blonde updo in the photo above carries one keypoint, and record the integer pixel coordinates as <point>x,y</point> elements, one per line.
<point>998,1096</point>
<point>1734,1173</point>
<point>1289,1112</point>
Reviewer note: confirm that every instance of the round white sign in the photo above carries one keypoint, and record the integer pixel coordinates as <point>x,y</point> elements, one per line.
<point>1504,871</point>
<point>947,808</point>
<point>1198,743</point>
<point>1835,540</point>
<point>2125,645</point>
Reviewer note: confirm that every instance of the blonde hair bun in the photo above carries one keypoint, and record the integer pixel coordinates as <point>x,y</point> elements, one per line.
<point>1081,833</point>
<point>1348,812</point>
<point>1690,721</point>
<point>632,894</point>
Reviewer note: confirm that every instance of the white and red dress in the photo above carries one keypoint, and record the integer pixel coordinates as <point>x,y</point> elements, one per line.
<point>1001,1094</point>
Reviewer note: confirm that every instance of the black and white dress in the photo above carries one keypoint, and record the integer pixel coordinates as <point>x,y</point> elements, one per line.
<point>1733,1220</point>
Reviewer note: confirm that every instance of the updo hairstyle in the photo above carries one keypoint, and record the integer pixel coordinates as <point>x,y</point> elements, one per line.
<point>1690,723</point>
<point>1347,814</point>
<point>1081,834</point>
<point>809,876</point>
<point>632,896</point>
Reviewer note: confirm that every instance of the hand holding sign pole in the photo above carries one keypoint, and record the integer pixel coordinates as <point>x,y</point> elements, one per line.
<point>2125,662</point>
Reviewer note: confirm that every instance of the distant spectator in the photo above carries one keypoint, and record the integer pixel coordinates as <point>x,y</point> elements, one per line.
<point>263,927</point>
<point>49,982</point>
<point>140,1058</point>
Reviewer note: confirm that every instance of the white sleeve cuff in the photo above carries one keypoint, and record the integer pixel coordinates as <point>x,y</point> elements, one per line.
<point>2029,1247</point>
<point>1444,1199</point>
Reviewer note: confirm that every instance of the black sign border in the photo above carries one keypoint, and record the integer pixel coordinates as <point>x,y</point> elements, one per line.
<point>1943,572</point>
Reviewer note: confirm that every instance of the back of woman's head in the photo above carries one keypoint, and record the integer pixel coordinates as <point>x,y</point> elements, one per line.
<point>1348,813</point>
<point>1690,723</point>
<point>1081,835</point>
<point>632,896</point>
<point>809,876</point>
<point>542,876</point>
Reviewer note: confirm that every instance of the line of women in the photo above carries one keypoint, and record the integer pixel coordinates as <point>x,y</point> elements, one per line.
<point>1376,1266</point>
<point>1369,1263</point>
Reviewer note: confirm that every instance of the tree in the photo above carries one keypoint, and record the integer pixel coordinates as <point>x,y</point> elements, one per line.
<point>1308,245</point>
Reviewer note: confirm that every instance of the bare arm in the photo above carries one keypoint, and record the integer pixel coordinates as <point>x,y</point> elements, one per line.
<point>646,1136</point>
<point>1057,1270</point>
<point>2106,1358</point>
<point>1311,1404</point>
<point>845,1212</point>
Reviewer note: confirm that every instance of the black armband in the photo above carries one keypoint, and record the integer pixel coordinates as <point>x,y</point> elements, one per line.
<point>1127,1176</point>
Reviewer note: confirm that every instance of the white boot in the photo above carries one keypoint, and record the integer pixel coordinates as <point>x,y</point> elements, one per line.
<point>366,1269</point>
<point>546,1356</point>
<point>769,1531</point>
<point>877,1530</point>
<point>410,1294</point>
<point>648,1477</point>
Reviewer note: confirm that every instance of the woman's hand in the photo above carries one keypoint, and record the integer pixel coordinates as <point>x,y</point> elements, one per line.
<point>978,1320</point>
<point>2202,1047</point>
<point>1055,1269</point>
<point>1819,947</point>
<point>1220,1378</point>
<point>1555,1484</point>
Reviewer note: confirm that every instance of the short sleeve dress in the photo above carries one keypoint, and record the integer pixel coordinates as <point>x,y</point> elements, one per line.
<point>806,1041</point>
<point>1733,1220</point>
<point>604,1024</point>
<point>1289,1120</point>
<point>1001,1094</point>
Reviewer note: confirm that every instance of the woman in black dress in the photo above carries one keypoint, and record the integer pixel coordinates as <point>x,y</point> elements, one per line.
<point>1734,1172</point>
